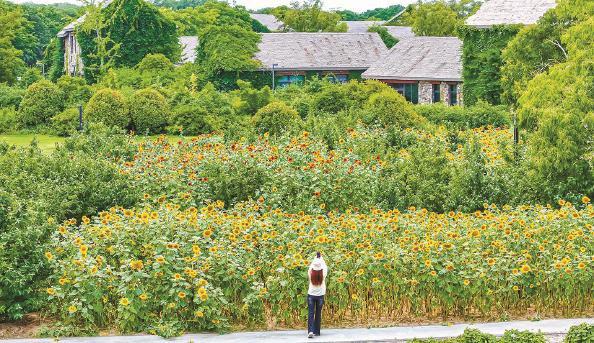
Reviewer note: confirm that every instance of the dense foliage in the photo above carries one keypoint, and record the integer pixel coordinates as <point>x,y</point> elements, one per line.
<point>482,60</point>
<point>309,17</point>
<point>382,14</point>
<point>11,25</point>
<point>536,48</point>
<point>38,190</point>
<point>432,19</point>
<point>123,33</point>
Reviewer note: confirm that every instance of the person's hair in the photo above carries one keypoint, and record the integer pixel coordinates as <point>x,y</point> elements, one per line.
<point>316,277</point>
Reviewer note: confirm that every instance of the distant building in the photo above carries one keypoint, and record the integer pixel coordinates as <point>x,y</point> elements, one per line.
<point>509,12</point>
<point>268,20</point>
<point>398,32</point>
<point>189,45</point>
<point>423,69</point>
<point>297,56</point>
<point>486,34</point>
<point>73,64</point>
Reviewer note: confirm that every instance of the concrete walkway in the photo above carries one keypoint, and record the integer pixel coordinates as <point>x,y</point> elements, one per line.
<point>549,327</point>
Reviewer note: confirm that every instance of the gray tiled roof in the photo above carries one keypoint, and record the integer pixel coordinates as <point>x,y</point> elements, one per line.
<point>320,51</point>
<point>508,12</point>
<point>360,26</point>
<point>421,58</point>
<point>400,32</point>
<point>268,20</point>
<point>188,44</point>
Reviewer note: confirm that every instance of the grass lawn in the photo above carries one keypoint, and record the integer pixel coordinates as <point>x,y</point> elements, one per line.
<point>46,143</point>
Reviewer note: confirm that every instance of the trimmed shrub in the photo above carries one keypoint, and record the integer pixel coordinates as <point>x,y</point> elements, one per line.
<point>75,89</point>
<point>331,99</point>
<point>149,111</point>
<point>458,117</point>
<point>192,120</point>
<point>583,333</point>
<point>154,63</point>
<point>276,118</point>
<point>10,96</point>
<point>388,108</point>
<point>42,101</point>
<point>9,121</point>
<point>108,106</point>
<point>65,123</point>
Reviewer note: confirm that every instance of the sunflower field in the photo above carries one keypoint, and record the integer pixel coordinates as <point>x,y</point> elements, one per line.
<point>224,233</point>
<point>206,268</point>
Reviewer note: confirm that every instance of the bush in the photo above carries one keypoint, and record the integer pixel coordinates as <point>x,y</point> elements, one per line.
<point>515,336</point>
<point>109,107</point>
<point>155,63</point>
<point>388,108</point>
<point>39,190</point>
<point>251,99</point>
<point>10,96</point>
<point>583,333</point>
<point>149,111</point>
<point>459,118</point>
<point>42,101</point>
<point>9,121</point>
<point>65,123</point>
<point>75,89</point>
<point>332,98</point>
<point>276,118</point>
<point>193,120</point>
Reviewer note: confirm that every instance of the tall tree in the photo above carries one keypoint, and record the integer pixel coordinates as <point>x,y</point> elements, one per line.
<point>12,24</point>
<point>536,48</point>
<point>309,17</point>
<point>558,105</point>
<point>432,19</point>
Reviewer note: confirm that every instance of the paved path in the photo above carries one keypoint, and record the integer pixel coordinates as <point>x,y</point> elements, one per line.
<point>553,327</point>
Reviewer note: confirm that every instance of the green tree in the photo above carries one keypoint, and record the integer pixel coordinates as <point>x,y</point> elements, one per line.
<point>538,47</point>
<point>558,106</point>
<point>433,19</point>
<point>124,32</point>
<point>309,17</point>
<point>12,24</point>
<point>385,35</point>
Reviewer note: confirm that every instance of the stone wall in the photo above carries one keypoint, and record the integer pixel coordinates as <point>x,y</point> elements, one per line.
<point>444,93</point>
<point>73,64</point>
<point>425,92</point>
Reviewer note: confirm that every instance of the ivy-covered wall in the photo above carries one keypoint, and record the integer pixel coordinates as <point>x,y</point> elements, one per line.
<point>56,59</point>
<point>138,27</point>
<point>482,61</point>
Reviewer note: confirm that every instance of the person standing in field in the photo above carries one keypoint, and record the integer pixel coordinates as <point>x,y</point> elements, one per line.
<point>315,295</point>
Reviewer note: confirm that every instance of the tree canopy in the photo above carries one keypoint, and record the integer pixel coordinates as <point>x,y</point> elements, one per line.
<point>538,47</point>
<point>309,17</point>
<point>432,19</point>
<point>124,32</point>
<point>12,24</point>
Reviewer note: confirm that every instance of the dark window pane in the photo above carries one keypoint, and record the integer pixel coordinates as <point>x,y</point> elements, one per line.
<point>436,93</point>
<point>453,94</point>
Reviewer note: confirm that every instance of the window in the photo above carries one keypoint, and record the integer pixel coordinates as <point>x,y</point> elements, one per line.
<point>409,90</point>
<point>436,93</point>
<point>286,80</point>
<point>341,78</point>
<point>453,94</point>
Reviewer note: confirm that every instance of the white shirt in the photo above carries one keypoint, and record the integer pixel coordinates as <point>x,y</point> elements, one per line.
<point>321,289</point>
